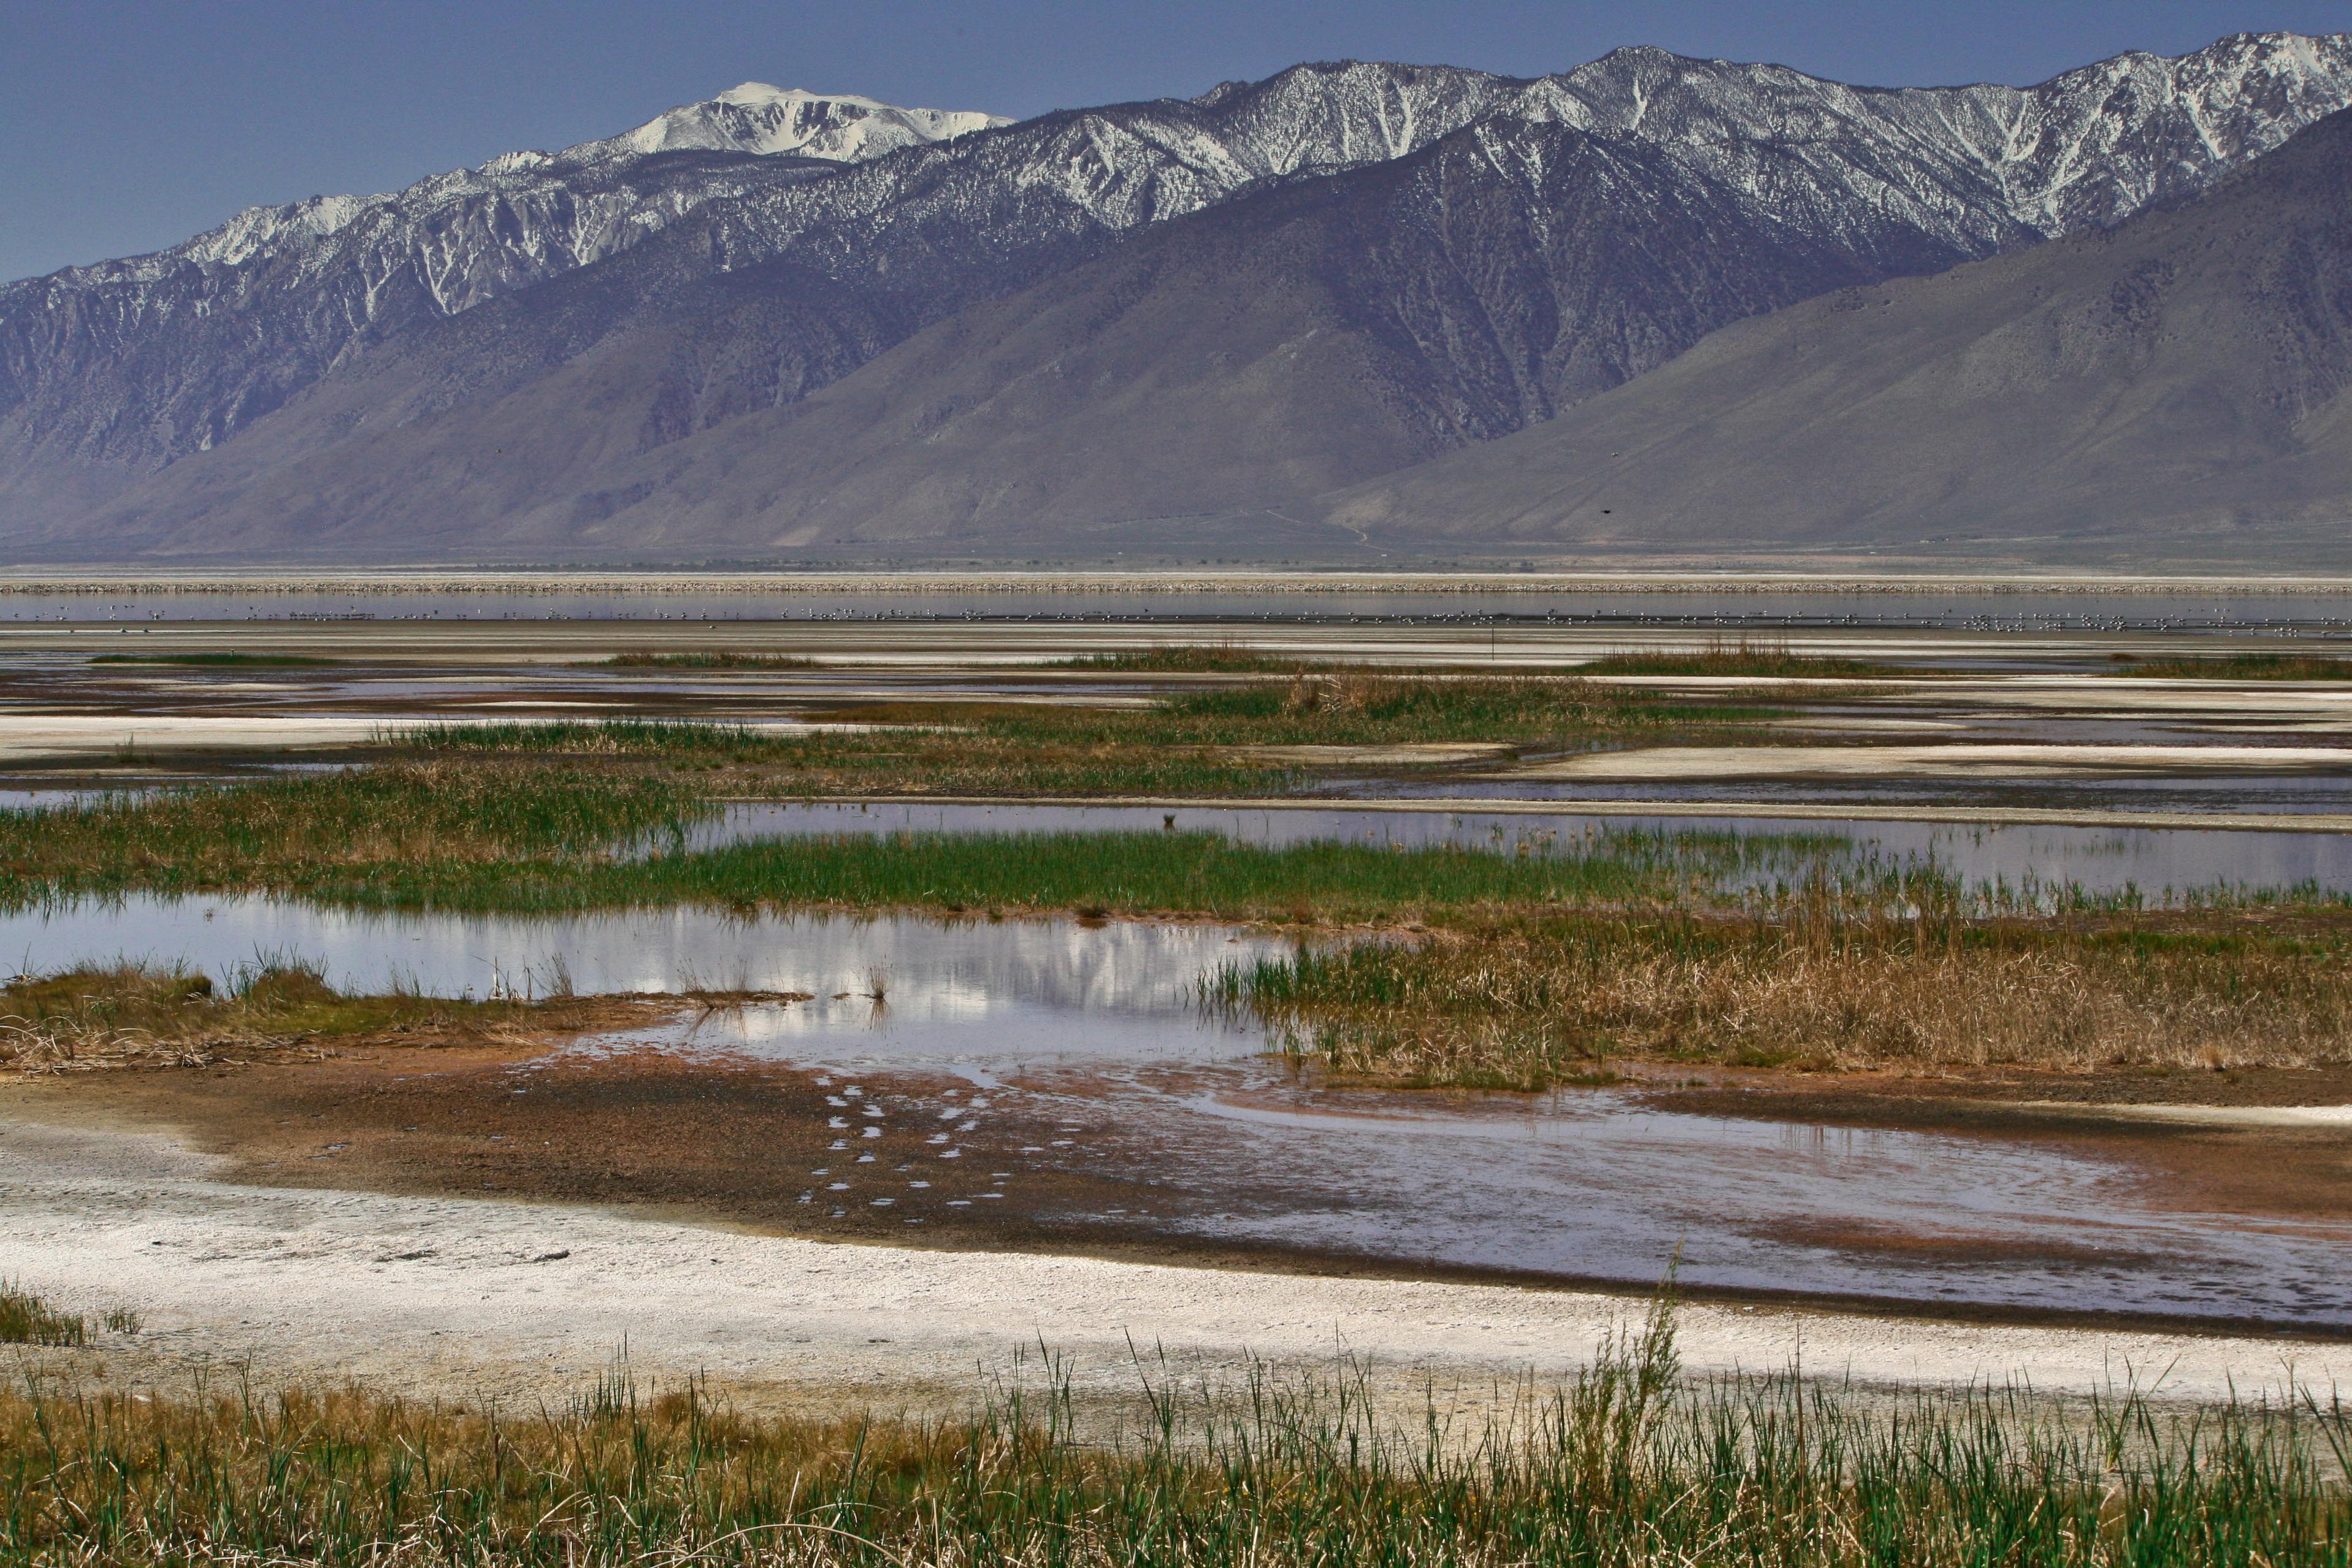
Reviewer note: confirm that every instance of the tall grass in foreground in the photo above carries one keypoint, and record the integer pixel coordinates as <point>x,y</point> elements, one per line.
<point>1544,1000</point>
<point>1628,1464</point>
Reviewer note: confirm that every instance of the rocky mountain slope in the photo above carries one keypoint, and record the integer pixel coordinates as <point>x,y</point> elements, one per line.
<point>1374,265</point>
<point>2174,386</point>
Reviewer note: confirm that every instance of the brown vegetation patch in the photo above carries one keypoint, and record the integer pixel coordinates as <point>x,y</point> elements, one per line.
<point>1524,1003</point>
<point>84,1020</point>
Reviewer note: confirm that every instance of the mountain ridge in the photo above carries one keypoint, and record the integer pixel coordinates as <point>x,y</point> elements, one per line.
<point>769,279</point>
<point>2176,384</point>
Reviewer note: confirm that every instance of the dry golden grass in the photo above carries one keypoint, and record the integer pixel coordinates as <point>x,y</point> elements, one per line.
<point>1528,1004</point>
<point>129,1016</point>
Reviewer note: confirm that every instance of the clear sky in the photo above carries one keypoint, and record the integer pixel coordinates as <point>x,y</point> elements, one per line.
<point>126,125</point>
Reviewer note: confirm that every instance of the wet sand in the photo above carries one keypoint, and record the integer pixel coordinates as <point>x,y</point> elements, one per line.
<point>787,1149</point>
<point>487,1296</point>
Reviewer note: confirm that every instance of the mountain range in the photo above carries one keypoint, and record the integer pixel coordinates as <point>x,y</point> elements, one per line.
<point>1650,303</point>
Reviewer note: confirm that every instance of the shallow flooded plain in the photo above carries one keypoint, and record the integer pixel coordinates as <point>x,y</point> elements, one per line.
<point>1057,1084</point>
<point>1066,1075</point>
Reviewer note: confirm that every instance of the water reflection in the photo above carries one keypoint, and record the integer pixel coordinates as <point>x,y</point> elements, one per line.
<point>932,975</point>
<point>1092,1032</point>
<point>2099,860</point>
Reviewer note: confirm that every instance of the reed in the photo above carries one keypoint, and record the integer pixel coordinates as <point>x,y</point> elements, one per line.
<point>550,841</point>
<point>1205,743</point>
<point>1191,659</point>
<point>1771,660</point>
<point>1629,1463</point>
<point>283,832</point>
<point>25,1319</point>
<point>1529,1003</point>
<point>2241,668</point>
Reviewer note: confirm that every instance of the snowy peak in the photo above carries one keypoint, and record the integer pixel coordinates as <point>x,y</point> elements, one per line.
<point>840,128</point>
<point>754,118</point>
<point>1979,166</point>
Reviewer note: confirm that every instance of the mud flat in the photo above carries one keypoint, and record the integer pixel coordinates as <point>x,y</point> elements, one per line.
<point>485,1297</point>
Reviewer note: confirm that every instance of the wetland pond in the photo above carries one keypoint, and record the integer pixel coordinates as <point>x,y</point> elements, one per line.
<point>1046,1046</point>
<point>2024,858</point>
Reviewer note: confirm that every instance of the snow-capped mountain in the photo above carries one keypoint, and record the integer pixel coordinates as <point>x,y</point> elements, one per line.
<point>1977,167</point>
<point>551,211</point>
<point>776,240</point>
<point>755,117</point>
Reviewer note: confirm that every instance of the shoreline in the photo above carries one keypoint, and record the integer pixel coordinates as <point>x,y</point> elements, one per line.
<point>490,1297</point>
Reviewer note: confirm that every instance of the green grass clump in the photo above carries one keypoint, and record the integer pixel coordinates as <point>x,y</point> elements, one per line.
<point>1165,874</point>
<point>647,660</point>
<point>25,1319</point>
<point>1198,743</point>
<point>1629,1463</point>
<point>1763,660</point>
<point>226,659</point>
<point>2240,667</point>
<point>1373,710</point>
<point>492,836</point>
<point>287,833</point>
<point>1191,659</point>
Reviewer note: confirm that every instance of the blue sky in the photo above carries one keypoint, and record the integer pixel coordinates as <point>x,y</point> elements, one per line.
<point>127,126</point>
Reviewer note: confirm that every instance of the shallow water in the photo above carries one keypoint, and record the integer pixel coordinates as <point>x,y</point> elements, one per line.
<point>1015,979</point>
<point>2097,860</point>
<point>2218,793</point>
<point>1094,1029</point>
<point>1592,1186</point>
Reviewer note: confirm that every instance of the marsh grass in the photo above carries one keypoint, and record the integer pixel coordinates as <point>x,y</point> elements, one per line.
<point>1193,659</point>
<point>25,1319</point>
<point>132,1015</point>
<point>2240,667</point>
<point>1197,743</point>
<point>285,832</point>
<point>1628,1463</point>
<point>1769,660</point>
<point>374,846</point>
<point>1533,1002</point>
<point>646,659</point>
